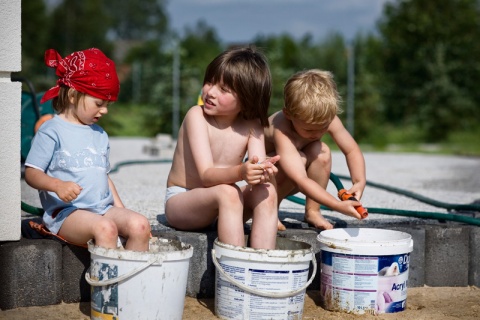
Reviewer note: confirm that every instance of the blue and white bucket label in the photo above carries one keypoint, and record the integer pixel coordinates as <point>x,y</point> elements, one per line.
<point>104,299</point>
<point>364,284</point>
<point>231,302</point>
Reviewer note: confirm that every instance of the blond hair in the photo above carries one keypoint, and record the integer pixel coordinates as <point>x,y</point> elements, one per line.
<point>311,96</point>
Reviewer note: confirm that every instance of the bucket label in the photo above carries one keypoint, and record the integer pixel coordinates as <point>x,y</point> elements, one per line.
<point>231,302</point>
<point>364,284</point>
<point>104,300</point>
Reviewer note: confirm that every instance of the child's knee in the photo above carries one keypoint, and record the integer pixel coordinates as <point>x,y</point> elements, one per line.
<point>319,153</point>
<point>266,195</point>
<point>139,226</point>
<point>230,193</point>
<point>106,229</point>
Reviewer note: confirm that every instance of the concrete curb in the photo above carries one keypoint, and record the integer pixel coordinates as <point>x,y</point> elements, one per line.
<point>40,272</point>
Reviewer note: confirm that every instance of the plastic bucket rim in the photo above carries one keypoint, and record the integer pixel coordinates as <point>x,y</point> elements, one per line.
<point>350,244</point>
<point>121,254</point>
<point>260,255</point>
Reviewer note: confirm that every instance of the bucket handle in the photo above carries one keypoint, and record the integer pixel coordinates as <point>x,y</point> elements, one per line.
<point>101,283</point>
<point>261,293</point>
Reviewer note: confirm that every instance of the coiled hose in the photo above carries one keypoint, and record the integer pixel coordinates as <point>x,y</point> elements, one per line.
<point>471,208</point>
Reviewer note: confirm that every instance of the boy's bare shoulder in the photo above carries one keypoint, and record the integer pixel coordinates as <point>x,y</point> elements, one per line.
<point>280,122</point>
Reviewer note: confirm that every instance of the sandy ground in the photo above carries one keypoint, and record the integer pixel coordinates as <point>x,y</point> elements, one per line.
<point>422,303</point>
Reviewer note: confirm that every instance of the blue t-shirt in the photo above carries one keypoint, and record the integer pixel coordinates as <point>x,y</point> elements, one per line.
<point>72,152</point>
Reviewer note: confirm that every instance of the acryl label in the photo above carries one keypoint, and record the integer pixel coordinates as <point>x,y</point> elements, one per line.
<point>364,284</point>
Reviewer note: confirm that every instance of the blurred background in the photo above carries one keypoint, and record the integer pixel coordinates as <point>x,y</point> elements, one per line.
<point>407,70</point>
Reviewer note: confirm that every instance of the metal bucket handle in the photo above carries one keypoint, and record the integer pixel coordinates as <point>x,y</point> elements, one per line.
<point>261,293</point>
<point>101,283</point>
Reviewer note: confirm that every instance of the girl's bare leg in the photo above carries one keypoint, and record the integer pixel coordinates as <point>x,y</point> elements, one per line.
<point>261,204</point>
<point>198,208</point>
<point>81,226</point>
<point>131,225</point>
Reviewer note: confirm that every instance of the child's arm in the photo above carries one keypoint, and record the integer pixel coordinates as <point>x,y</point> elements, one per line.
<point>293,166</point>
<point>199,143</point>
<point>117,202</point>
<point>67,191</point>
<point>256,148</point>
<point>353,156</point>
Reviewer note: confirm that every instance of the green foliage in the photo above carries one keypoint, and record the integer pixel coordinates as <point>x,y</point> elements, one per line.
<point>127,120</point>
<point>136,20</point>
<point>34,15</point>
<point>431,63</point>
<point>78,25</point>
<point>415,82</point>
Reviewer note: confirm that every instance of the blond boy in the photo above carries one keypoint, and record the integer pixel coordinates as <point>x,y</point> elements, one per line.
<point>295,133</point>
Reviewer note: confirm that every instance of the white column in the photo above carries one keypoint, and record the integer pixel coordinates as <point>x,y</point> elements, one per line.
<point>10,109</point>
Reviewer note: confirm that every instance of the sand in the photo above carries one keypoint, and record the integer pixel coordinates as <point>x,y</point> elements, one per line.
<point>435,303</point>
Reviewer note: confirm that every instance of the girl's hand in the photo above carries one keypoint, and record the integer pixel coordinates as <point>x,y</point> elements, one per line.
<point>252,172</point>
<point>68,191</point>
<point>269,165</point>
<point>260,172</point>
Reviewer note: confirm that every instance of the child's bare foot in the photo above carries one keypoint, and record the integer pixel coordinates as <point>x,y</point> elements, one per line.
<point>317,220</point>
<point>280,226</point>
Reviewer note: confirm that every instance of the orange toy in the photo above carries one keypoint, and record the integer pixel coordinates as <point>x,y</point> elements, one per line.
<point>344,195</point>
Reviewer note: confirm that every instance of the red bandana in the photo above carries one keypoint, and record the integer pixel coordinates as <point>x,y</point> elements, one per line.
<point>88,71</point>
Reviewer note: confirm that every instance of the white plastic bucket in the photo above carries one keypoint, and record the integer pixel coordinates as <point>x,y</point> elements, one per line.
<point>262,284</point>
<point>364,270</point>
<point>139,285</point>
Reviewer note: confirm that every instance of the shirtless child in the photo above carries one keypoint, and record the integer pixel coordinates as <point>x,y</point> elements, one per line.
<point>212,143</point>
<point>310,111</point>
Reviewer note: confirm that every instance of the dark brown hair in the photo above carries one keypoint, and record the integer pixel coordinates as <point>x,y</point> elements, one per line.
<point>244,70</point>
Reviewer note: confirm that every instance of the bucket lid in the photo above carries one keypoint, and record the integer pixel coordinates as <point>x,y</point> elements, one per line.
<point>365,241</point>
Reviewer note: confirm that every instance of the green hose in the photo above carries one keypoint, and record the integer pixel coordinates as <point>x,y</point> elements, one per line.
<point>32,210</point>
<point>338,184</point>
<point>407,213</point>
<point>417,214</point>
<point>448,206</point>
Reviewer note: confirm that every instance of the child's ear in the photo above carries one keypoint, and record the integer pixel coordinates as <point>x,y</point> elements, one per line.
<point>71,95</point>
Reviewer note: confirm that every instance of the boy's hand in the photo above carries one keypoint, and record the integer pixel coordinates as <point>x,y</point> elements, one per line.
<point>344,195</point>
<point>356,191</point>
<point>68,191</point>
<point>348,207</point>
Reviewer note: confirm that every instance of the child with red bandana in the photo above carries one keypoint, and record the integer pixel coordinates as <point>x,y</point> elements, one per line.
<point>69,159</point>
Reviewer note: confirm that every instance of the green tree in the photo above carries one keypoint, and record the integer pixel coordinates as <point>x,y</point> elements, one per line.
<point>136,20</point>
<point>78,25</point>
<point>431,65</point>
<point>368,105</point>
<point>35,27</point>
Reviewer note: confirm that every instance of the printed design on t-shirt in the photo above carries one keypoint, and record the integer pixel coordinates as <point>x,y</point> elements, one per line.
<point>84,159</point>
